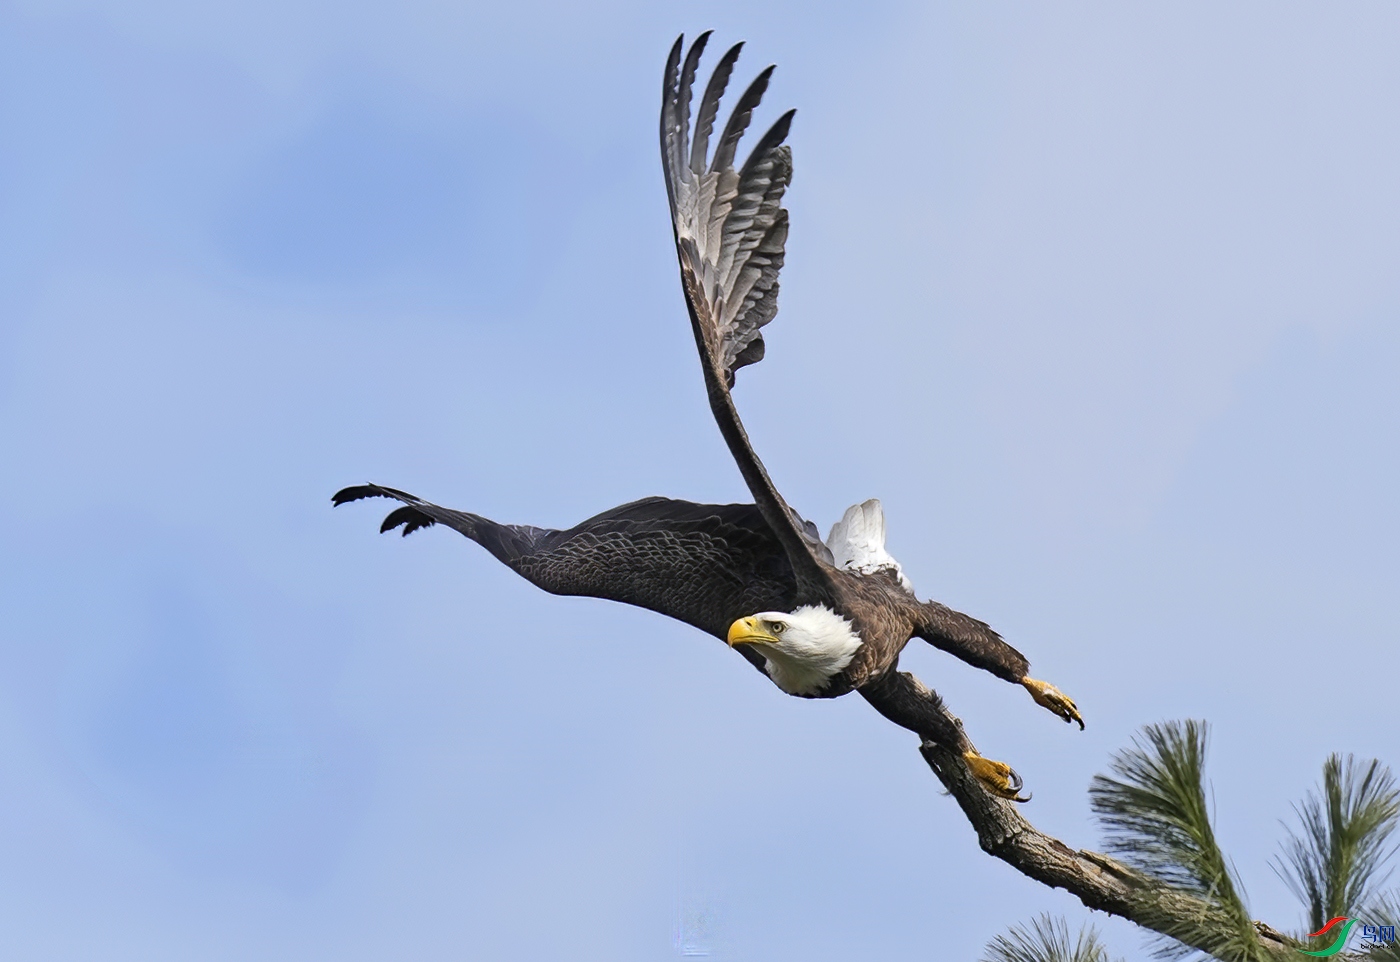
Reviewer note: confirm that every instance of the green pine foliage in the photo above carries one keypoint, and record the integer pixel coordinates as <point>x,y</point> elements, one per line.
<point>1155,817</point>
<point>1334,861</point>
<point>1046,939</point>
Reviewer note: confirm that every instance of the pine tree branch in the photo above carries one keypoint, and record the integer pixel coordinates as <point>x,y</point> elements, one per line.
<point>1098,881</point>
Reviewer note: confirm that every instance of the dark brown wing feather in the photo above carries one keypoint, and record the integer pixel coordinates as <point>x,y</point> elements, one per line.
<point>704,564</point>
<point>730,228</point>
<point>969,639</point>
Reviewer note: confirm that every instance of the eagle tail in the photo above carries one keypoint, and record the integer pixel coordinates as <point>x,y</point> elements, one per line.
<point>857,542</point>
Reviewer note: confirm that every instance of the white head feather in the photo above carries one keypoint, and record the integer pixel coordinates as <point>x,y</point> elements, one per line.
<point>813,643</point>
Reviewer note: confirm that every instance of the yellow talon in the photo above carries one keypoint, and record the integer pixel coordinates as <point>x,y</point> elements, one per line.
<point>1048,696</point>
<point>998,778</point>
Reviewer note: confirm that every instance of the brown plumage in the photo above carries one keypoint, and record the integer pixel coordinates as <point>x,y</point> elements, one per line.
<point>720,567</point>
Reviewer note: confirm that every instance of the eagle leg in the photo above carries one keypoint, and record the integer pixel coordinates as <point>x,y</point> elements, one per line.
<point>998,778</point>
<point>1048,696</point>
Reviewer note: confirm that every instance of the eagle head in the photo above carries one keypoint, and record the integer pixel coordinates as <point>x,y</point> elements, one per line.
<point>803,648</point>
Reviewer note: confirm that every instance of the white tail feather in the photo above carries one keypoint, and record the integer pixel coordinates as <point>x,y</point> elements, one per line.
<point>857,542</point>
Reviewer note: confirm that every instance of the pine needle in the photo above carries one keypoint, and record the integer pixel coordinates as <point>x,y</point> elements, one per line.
<point>1156,817</point>
<point>1046,939</point>
<point>1334,862</point>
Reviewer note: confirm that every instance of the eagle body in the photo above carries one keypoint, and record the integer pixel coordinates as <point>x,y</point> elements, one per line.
<point>820,618</point>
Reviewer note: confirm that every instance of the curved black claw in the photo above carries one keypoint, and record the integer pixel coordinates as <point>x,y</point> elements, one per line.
<point>1015,785</point>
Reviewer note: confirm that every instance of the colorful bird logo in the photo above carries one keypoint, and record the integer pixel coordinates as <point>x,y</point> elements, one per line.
<point>1336,946</point>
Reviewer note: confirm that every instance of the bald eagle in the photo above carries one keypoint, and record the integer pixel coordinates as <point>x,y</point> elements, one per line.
<point>820,618</point>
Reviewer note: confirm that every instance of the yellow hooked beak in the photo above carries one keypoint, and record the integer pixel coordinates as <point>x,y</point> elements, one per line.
<point>750,631</point>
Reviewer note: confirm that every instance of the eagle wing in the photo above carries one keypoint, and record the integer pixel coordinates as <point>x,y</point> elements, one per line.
<point>730,228</point>
<point>704,564</point>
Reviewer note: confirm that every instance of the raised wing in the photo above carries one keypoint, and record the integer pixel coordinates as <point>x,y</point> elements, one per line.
<point>704,564</point>
<point>730,225</point>
<point>730,228</point>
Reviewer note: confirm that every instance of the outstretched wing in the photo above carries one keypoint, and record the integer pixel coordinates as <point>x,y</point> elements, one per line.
<point>704,564</point>
<point>730,228</point>
<point>971,640</point>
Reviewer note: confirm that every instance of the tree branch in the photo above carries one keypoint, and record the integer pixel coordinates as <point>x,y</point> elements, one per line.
<point>1100,882</point>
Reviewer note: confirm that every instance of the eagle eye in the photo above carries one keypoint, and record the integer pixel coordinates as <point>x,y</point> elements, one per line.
<point>778,627</point>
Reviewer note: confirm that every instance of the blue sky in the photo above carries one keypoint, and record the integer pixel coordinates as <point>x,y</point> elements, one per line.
<point>1102,302</point>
